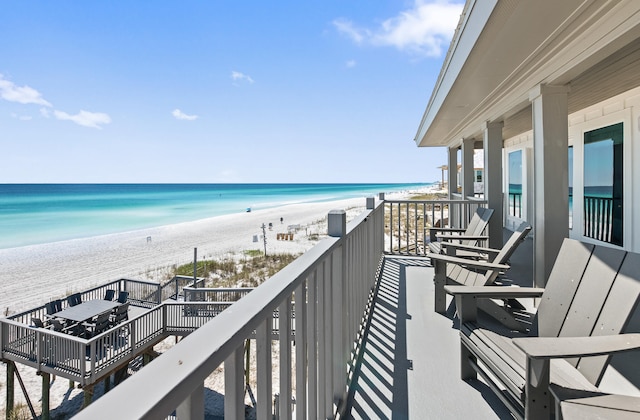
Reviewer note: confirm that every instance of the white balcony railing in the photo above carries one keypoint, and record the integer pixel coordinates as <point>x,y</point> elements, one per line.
<point>330,287</point>
<point>408,223</point>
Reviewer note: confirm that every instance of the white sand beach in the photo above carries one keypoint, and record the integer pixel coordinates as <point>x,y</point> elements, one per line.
<point>31,276</point>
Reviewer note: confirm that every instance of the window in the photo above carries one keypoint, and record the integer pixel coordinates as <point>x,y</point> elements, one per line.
<point>603,184</point>
<point>515,183</point>
<point>478,175</point>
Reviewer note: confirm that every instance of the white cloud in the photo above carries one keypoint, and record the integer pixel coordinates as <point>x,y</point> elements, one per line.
<point>423,30</point>
<point>85,118</point>
<point>351,64</point>
<point>21,117</point>
<point>27,95</point>
<point>21,94</point>
<point>182,116</point>
<point>346,27</point>
<point>236,76</point>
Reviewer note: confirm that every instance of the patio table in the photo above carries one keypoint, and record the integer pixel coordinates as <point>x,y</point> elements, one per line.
<point>87,310</point>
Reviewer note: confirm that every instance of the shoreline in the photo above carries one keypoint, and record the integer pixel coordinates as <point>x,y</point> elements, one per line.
<point>34,274</point>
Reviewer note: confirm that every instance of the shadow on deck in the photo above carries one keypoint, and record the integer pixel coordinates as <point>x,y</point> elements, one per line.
<point>409,364</point>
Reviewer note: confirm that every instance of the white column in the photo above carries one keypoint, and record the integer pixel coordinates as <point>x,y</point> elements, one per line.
<point>492,143</point>
<point>551,177</point>
<point>452,173</point>
<point>467,167</point>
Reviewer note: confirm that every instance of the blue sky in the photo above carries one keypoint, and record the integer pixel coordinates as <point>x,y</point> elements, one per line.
<point>219,91</point>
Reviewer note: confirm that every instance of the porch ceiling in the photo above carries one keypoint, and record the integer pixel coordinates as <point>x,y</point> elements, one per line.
<point>504,49</point>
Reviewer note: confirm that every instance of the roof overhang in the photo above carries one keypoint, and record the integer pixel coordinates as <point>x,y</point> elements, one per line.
<point>504,49</point>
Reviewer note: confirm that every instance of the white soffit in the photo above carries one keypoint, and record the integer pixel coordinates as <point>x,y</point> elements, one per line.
<point>520,44</point>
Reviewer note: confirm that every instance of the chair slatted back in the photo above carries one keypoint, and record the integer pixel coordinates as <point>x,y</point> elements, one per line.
<point>469,277</point>
<point>477,224</point>
<point>57,304</point>
<point>123,296</point>
<point>561,287</point>
<point>102,323</point>
<point>592,290</point>
<point>620,305</point>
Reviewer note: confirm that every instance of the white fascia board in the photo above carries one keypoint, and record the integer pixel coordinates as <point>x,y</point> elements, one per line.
<point>475,16</point>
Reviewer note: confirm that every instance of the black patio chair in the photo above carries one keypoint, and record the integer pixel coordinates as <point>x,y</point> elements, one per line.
<point>57,304</point>
<point>37,322</point>
<point>50,308</point>
<point>109,294</point>
<point>120,314</point>
<point>73,329</point>
<point>100,325</point>
<point>123,296</point>
<point>74,299</point>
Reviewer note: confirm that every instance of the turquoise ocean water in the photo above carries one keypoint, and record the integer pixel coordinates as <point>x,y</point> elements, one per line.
<point>42,213</point>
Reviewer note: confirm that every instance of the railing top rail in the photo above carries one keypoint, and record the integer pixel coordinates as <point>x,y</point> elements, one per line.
<point>219,289</point>
<point>43,330</point>
<point>196,303</point>
<point>25,313</point>
<point>440,201</point>
<point>150,283</point>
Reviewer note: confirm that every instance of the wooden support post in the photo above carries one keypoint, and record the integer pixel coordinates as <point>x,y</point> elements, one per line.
<point>120,375</point>
<point>107,384</point>
<point>11,367</point>
<point>87,390</point>
<point>46,387</point>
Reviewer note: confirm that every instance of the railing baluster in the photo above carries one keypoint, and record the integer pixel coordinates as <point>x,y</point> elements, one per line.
<point>328,337</point>
<point>233,385</point>
<point>284,325</point>
<point>321,340</point>
<point>301,350</point>
<point>263,369</point>
<point>402,241</point>
<point>312,346</point>
<point>337,314</point>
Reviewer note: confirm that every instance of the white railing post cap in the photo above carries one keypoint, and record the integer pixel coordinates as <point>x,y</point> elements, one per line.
<point>371,203</point>
<point>337,223</point>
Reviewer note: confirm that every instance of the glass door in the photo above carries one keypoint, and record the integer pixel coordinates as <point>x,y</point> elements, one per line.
<point>603,184</point>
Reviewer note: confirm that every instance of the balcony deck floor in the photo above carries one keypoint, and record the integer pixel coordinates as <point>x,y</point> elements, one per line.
<point>409,366</point>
